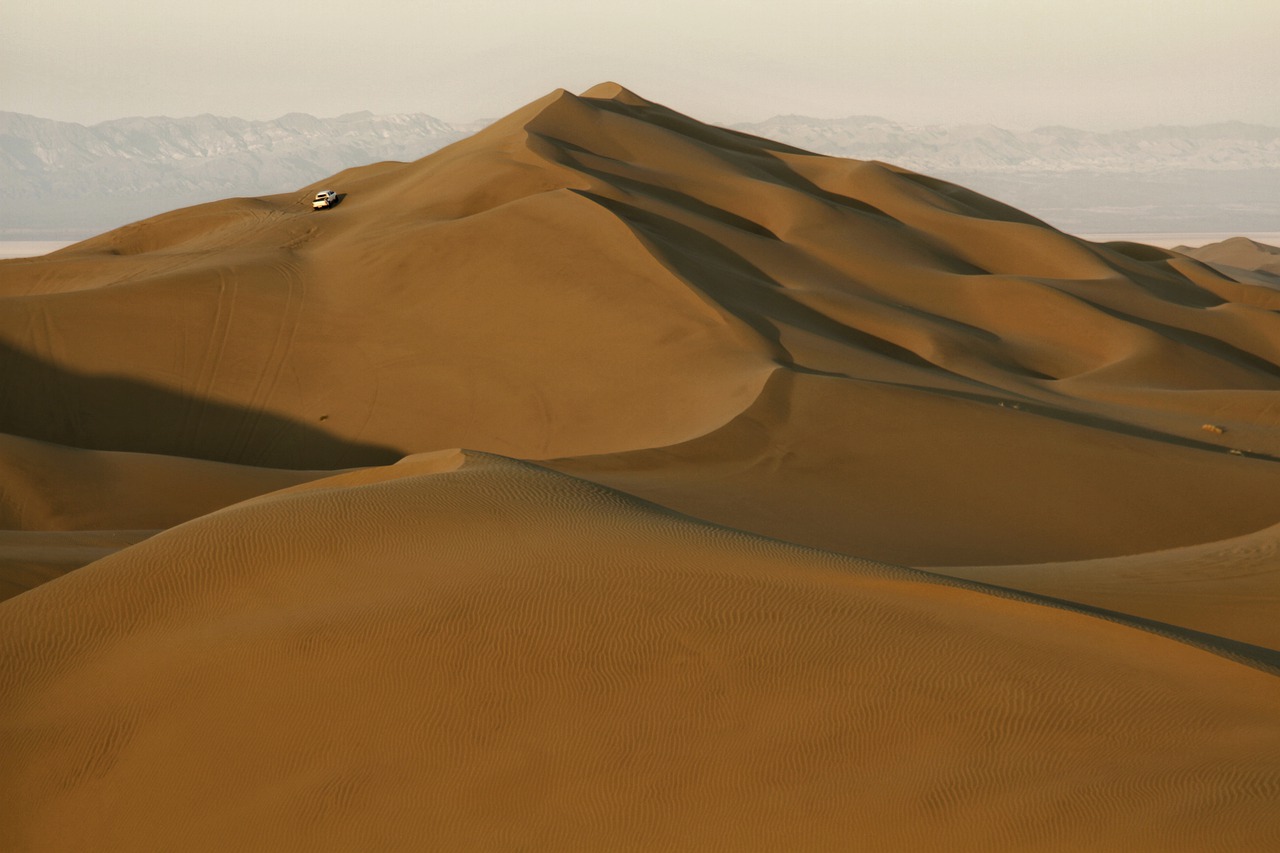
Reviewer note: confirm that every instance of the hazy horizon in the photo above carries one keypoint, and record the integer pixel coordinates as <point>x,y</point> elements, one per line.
<point>1010,63</point>
<point>473,124</point>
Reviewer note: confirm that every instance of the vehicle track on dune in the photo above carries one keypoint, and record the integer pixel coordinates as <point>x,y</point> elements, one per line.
<point>287,320</point>
<point>193,420</point>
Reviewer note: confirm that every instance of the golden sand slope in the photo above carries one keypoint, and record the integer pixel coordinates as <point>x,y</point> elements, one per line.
<point>234,624</point>
<point>1229,588</point>
<point>927,480</point>
<point>380,664</point>
<point>598,276</point>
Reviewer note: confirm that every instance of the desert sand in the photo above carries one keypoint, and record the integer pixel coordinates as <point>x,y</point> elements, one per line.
<point>610,480</point>
<point>1240,254</point>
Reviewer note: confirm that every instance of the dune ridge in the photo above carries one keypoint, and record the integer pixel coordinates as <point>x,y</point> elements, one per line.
<point>561,489</point>
<point>1241,258</point>
<point>662,270</point>
<point>1228,588</point>
<point>688,687</point>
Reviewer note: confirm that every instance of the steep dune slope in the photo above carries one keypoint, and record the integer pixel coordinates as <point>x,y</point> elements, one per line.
<point>374,661</point>
<point>596,277</point>
<point>403,317</point>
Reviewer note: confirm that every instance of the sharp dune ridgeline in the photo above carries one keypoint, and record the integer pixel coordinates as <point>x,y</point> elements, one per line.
<point>610,480</point>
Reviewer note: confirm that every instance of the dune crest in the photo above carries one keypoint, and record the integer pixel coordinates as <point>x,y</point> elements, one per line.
<point>611,91</point>
<point>1240,255</point>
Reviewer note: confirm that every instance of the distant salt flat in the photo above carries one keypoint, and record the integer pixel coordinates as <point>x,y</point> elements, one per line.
<point>1167,240</point>
<point>30,248</point>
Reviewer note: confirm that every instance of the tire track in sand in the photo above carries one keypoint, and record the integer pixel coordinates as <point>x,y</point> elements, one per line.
<point>289,318</point>
<point>202,390</point>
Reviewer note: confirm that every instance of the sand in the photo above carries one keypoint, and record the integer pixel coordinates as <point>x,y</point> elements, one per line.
<point>1237,255</point>
<point>716,396</point>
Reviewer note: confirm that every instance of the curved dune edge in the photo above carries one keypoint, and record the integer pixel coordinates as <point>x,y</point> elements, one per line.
<point>886,471</point>
<point>374,663</point>
<point>44,486</point>
<point>29,558</point>
<point>62,508</point>
<point>1230,588</point>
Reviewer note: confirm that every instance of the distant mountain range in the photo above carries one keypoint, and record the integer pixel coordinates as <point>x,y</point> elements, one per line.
<point>60,179</point>
<point>63,179</point>
<point>1207,178</point>
<point>1229,146</point>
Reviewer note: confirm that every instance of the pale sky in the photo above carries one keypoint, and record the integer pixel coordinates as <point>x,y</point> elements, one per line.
<point>1093,64</point>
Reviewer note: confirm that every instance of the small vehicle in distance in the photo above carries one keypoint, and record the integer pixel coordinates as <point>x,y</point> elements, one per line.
<point>323,199</point>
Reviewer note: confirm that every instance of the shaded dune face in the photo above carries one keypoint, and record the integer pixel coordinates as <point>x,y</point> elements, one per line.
<point>369,661</point>
<point>64,507</point>
<point>252,603</point>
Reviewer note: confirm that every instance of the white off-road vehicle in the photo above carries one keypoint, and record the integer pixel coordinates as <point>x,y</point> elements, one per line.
<point>323,199</point>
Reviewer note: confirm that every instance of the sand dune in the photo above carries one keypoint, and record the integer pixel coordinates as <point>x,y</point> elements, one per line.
<point>63,507</point>
<point>257,601</point>
<point>49,487</point>
<point>598,275</point>
<point>594,673</point>
<point>29,558</point>
<point>933,480</point>
<point>1242,258</point>
<point>1229,588</point>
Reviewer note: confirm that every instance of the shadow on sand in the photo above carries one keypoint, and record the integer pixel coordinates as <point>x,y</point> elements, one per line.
<point>102,412</point>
